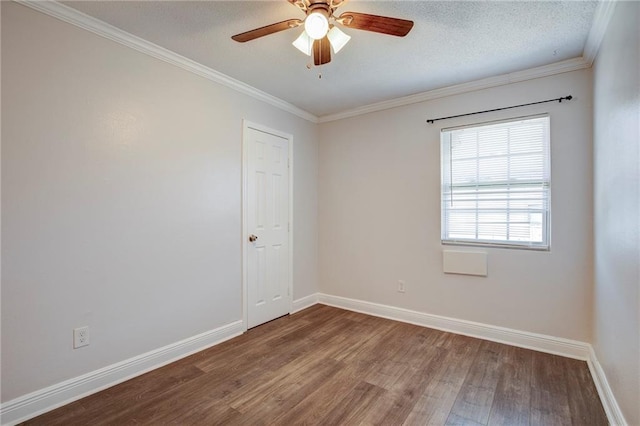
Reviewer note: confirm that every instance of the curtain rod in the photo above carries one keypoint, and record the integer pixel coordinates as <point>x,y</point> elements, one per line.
<point>432,120</point>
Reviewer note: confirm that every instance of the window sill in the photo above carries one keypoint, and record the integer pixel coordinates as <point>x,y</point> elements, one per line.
<point>485,244</point>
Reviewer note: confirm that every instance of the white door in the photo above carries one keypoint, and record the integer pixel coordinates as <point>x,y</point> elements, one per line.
<point>267,226</point>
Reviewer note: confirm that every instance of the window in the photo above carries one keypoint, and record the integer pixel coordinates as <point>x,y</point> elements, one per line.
<point>496,184</point>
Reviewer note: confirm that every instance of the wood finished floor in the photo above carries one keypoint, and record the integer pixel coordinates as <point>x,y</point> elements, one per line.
<point>329,366</point>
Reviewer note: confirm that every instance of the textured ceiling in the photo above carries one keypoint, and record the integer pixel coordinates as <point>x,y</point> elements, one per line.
<point>452,42</point>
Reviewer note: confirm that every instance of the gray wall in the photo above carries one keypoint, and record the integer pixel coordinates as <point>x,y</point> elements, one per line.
<point>121,206</point>
<point>379,198</point>
<point>617,207</point>
<point>121,201</point>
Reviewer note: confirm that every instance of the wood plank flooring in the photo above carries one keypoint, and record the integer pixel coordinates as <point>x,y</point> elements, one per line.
<point>329,366</point>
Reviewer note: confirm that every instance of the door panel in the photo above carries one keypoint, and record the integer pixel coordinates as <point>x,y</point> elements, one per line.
<point>267,213</point>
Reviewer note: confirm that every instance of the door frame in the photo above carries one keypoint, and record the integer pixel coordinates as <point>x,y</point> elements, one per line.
<point>246,125</point>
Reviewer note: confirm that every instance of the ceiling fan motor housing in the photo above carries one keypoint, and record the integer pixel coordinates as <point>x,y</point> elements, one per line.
<point>319,4</point>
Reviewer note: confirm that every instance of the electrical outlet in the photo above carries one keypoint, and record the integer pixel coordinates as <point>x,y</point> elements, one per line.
<point>80,337</point>
<point>401,286</point>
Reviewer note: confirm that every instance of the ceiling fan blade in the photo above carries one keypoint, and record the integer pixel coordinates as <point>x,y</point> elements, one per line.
<point>375,23</point>
<point>321,51</point>
<point>269,29</point>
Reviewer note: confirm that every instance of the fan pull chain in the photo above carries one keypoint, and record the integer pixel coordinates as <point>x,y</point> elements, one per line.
<point>320,57</point>
<point>309,66</point>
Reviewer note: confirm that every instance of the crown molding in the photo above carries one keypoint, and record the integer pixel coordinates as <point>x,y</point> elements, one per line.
<point>601,19</point>
<point>485,83</point>
<point>602,15</point>
<point>96,26</point>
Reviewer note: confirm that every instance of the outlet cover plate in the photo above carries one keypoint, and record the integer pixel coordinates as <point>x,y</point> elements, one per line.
<point>80,337</point>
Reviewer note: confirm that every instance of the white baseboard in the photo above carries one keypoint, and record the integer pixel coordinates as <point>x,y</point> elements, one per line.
<point>539,342</point>
<point>611,407</point>
<point>41,401</point>
<point>523,339</point>
<point>304,303</point>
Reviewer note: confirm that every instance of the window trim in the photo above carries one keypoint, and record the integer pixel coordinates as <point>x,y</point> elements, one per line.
<point>546,245</point>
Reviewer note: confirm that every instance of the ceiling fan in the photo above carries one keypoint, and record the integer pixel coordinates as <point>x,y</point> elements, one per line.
<point>320,31</point>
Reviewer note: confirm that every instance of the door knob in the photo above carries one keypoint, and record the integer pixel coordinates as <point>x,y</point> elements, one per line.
<point>253,238</point>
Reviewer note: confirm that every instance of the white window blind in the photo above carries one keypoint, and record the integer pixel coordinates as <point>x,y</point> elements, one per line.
<point>496,184</point>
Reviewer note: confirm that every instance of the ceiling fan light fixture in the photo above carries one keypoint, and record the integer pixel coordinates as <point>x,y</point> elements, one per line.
<point>317,24</point>
<point>320,34</point>
<point>338,39</point>
<point>304,43</point>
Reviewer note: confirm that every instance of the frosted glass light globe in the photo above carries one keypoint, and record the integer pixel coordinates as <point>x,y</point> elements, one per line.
<point>304,43</point>
<point>316,25</point>
<point>338,39</point>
